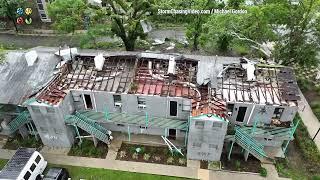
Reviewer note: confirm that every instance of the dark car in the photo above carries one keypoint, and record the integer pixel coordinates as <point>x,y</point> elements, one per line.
<point>57,174</point>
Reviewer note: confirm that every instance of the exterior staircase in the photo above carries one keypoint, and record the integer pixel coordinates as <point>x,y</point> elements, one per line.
<point>19,121</point>
<point>250,144</point>
<point>89,126</point>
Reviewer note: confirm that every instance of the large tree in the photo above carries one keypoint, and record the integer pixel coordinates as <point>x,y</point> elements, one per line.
<point>299,39</point>
<point>195,26</point>
<point>126,16</point>
<point>67,15</point>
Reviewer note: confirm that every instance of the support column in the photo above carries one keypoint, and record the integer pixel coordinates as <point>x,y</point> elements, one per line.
<point>230,151</point>
<point>78,134</point>
<point>95,141</point>
<point>147,119</point>
<point>129,135</point>
<point>246,155</point>
<point>23,131</point>
<point>106,114</point>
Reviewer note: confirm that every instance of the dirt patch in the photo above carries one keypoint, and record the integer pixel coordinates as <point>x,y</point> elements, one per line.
<point>204,164</point>
<point>150,154</point>
<point>237,163</point>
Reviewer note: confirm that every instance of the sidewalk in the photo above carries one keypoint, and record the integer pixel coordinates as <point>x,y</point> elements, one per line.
<point>309,119</point>
<point>158,169</point>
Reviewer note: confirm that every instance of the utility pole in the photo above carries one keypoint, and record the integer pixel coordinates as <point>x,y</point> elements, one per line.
<point>316,135</point>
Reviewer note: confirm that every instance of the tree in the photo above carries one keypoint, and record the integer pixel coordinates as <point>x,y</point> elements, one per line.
<point>299,44</point>
<point>68,15</point>
<point>8,8</point>
<point>235,3</point>
<point>126,17</point>
<point>195,26</point>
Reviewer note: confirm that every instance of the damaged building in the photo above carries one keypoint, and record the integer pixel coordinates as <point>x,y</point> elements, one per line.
<point>209,103</point>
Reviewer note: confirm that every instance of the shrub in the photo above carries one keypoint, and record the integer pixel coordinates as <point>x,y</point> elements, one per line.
<point>263,172</point>
<point>87,149</point>
<point>135,156</point>
<point>146,157</point>
<point>238,164</point>
<point>182,161</point>
<point>170,160</point>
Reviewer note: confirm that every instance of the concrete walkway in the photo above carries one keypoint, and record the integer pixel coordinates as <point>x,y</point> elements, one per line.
<point>309,119</point>
<point>192,172</point>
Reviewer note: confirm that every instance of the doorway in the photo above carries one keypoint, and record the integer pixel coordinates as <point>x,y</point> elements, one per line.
<point>241,114</point>
<point>173,108</point>
<point>87,101</point>
<point>172,134</point>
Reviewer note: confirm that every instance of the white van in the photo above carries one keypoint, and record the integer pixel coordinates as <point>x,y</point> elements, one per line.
<point>25,164</point>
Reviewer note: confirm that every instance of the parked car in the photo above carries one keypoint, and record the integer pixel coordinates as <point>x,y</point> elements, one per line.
<point>25,164</point>
<point>57,174</point>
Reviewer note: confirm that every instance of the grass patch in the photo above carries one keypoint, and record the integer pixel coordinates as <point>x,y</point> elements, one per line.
<point>308,147</point>
<point>87,149</point>
<point>101,174</point>
<point>18,141</point>
<point>263,172</point>
<point>303,159</point>
<point>312,94</point>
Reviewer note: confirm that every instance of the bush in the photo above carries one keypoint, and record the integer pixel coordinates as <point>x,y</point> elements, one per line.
<point>87,149</point>
<point>263,172</point>
<point>18,141</point>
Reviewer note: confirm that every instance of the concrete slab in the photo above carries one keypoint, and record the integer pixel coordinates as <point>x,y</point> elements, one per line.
<point>193,163</point>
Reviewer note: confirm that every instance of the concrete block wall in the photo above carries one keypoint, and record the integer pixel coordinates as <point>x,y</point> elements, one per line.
<point>140,130</point>
<point>206,143</point>
<point>155,105</point>
<point>253,112</point>
<point>49,121</point>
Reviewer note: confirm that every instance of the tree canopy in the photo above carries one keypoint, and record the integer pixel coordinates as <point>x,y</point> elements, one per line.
<point>67,15</point>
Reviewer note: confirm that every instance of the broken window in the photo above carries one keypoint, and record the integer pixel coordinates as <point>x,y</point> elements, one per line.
<point>230,109</point>
<point>57,131</point>
<point>50,110</point>
<point>173,108</point>
<point>141,101</point>
<point>43,130</point>
<point>277,113</point>
<point>196,145</point>
<point>217,125</point>
<point>199,124</point>
<point>87,101</point>
<point>213,146</point>
<point>35,109</point>
<point>117,99</point>
<point>241,114</point>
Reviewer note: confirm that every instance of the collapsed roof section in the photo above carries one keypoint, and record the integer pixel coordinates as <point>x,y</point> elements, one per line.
<point>146,73</point>
<point>259,84</point>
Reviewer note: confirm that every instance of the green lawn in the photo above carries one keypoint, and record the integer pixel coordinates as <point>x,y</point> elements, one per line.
<point>97,173</point>
<point>303,157</point>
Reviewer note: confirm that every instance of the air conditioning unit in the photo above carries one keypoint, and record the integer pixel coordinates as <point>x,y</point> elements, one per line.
<point>118,104</point>
<point>141,106</point>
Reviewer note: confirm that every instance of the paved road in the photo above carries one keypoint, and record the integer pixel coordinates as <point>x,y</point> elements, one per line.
<point>29,41</point>
<point>26,41</point>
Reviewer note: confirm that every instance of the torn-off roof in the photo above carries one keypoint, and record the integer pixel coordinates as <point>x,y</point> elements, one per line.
<point>18,81</point>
